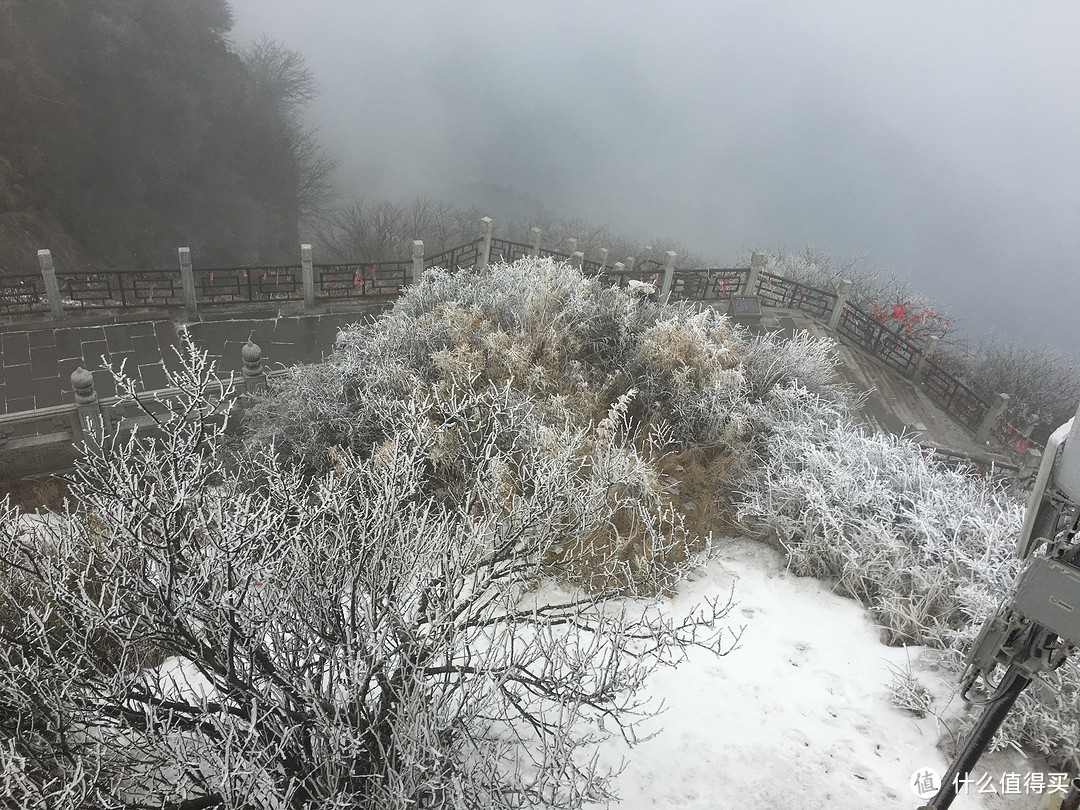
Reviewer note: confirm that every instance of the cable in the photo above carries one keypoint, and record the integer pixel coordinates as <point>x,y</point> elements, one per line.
<point>1012,684</point>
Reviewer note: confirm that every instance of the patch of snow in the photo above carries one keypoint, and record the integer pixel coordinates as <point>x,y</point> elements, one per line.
<point>799,715</point>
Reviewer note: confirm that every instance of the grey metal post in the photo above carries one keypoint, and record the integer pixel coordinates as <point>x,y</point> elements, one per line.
<point>669,274</point>
<point>534,251</point>
<point>254,373</point>
<point>571,244</point>
<point>757,263</point>
<point>991,418</point>
<point>417,261</point>
<point>90,418</point>
<point>307,270</point>
<point>485,249</point>
<point>52,287</point>
<point>603,259</point>
<point>924,357</point>
<point>188,279</point>
<point>838,307</point>
<point>577,258</point>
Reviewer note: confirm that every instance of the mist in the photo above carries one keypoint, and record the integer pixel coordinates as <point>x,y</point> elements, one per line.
<point>937,141</point>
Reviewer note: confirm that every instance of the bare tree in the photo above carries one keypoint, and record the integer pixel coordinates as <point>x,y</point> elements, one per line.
<point>284,86</point>
<point>201,632</point>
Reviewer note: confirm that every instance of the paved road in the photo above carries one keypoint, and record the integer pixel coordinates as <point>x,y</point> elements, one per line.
<point>36,362</point>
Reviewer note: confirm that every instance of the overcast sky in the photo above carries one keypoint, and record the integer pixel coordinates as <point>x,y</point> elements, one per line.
<point>938,140</point>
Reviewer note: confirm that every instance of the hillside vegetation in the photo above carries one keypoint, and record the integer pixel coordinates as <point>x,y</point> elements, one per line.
<point>130,128</point>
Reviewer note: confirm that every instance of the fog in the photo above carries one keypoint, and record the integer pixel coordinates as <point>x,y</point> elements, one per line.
<point>936,140</point>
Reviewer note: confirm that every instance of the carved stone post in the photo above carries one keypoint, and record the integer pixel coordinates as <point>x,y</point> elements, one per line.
<point>307,269</point>
<point>534,250</point>
<point>629,265</point>
<point>757,263</point>
<point>924,357</point>
<point>838,307</point>
<point>571,248</point>
<point>669,274</point>
<point>187,277</point>
<point>991,419</point>
<point>254,373</point>
<point>417,261</point>
<point>485,248</point>
<point>92,427</point>
<point>52,287</point>
<point>603,259</point>
<point>577,258</point>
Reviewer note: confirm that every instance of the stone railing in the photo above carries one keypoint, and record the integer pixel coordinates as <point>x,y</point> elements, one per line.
<point>45,439</point>
<point>59,293</point>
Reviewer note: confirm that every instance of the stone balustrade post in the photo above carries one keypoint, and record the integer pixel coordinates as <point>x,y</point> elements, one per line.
<point>307,272</point>
<point>417,261</point>
<point>924,357</point>
<point>571,245</point>
<point>603,259</point>
<point>92,422</point>
<point>628,263</point>
<point>838,307</point>
<point>669,274</point>
<point>187,277</point>
<point>757,264</point>
<point>534,250</point>
<point>991,419</point>
<point>254,373</point>
<point>52,286</point>
<point>577,259</point>
<point>485,249</point>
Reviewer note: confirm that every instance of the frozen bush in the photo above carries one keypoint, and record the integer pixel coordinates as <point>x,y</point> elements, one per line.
<point>388,634</point>
<point>929,551</point>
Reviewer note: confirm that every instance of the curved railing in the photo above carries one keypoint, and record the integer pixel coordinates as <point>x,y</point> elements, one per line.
<point>27,295</point>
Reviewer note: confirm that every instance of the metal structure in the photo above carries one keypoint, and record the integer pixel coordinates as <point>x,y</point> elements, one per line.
<point>1037,627</point>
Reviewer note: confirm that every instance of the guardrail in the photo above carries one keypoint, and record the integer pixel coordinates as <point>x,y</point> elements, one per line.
<point>45,439</point>
<point>55,292</point>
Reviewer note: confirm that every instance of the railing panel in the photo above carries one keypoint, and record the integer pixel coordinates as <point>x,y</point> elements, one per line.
<point>811,300</point>
<point>342,281</point>
<point>503,250</point>
<point>152,288</point>
<point>784,293</point>
<point>22,295</point>
<point>622,278</point>
<point>276,283</point>
<point>708,284</point>
<point>91,290</point>
<point>953,396</point>
<point>870,335</point>
<point>456,258</point>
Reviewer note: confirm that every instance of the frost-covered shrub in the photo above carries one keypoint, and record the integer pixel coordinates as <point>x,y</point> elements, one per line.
<point>929,551</point>
<point>566,345</point>
<point>244,633</point>
<point>773,361</point>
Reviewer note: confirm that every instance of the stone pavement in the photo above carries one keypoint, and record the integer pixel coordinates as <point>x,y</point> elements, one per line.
<point>36,360</point>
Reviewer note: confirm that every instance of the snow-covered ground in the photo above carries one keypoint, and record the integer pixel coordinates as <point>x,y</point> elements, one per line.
<point>799,715</point>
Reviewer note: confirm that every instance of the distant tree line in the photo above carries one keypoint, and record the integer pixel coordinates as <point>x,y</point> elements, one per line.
<point>130,128</point>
